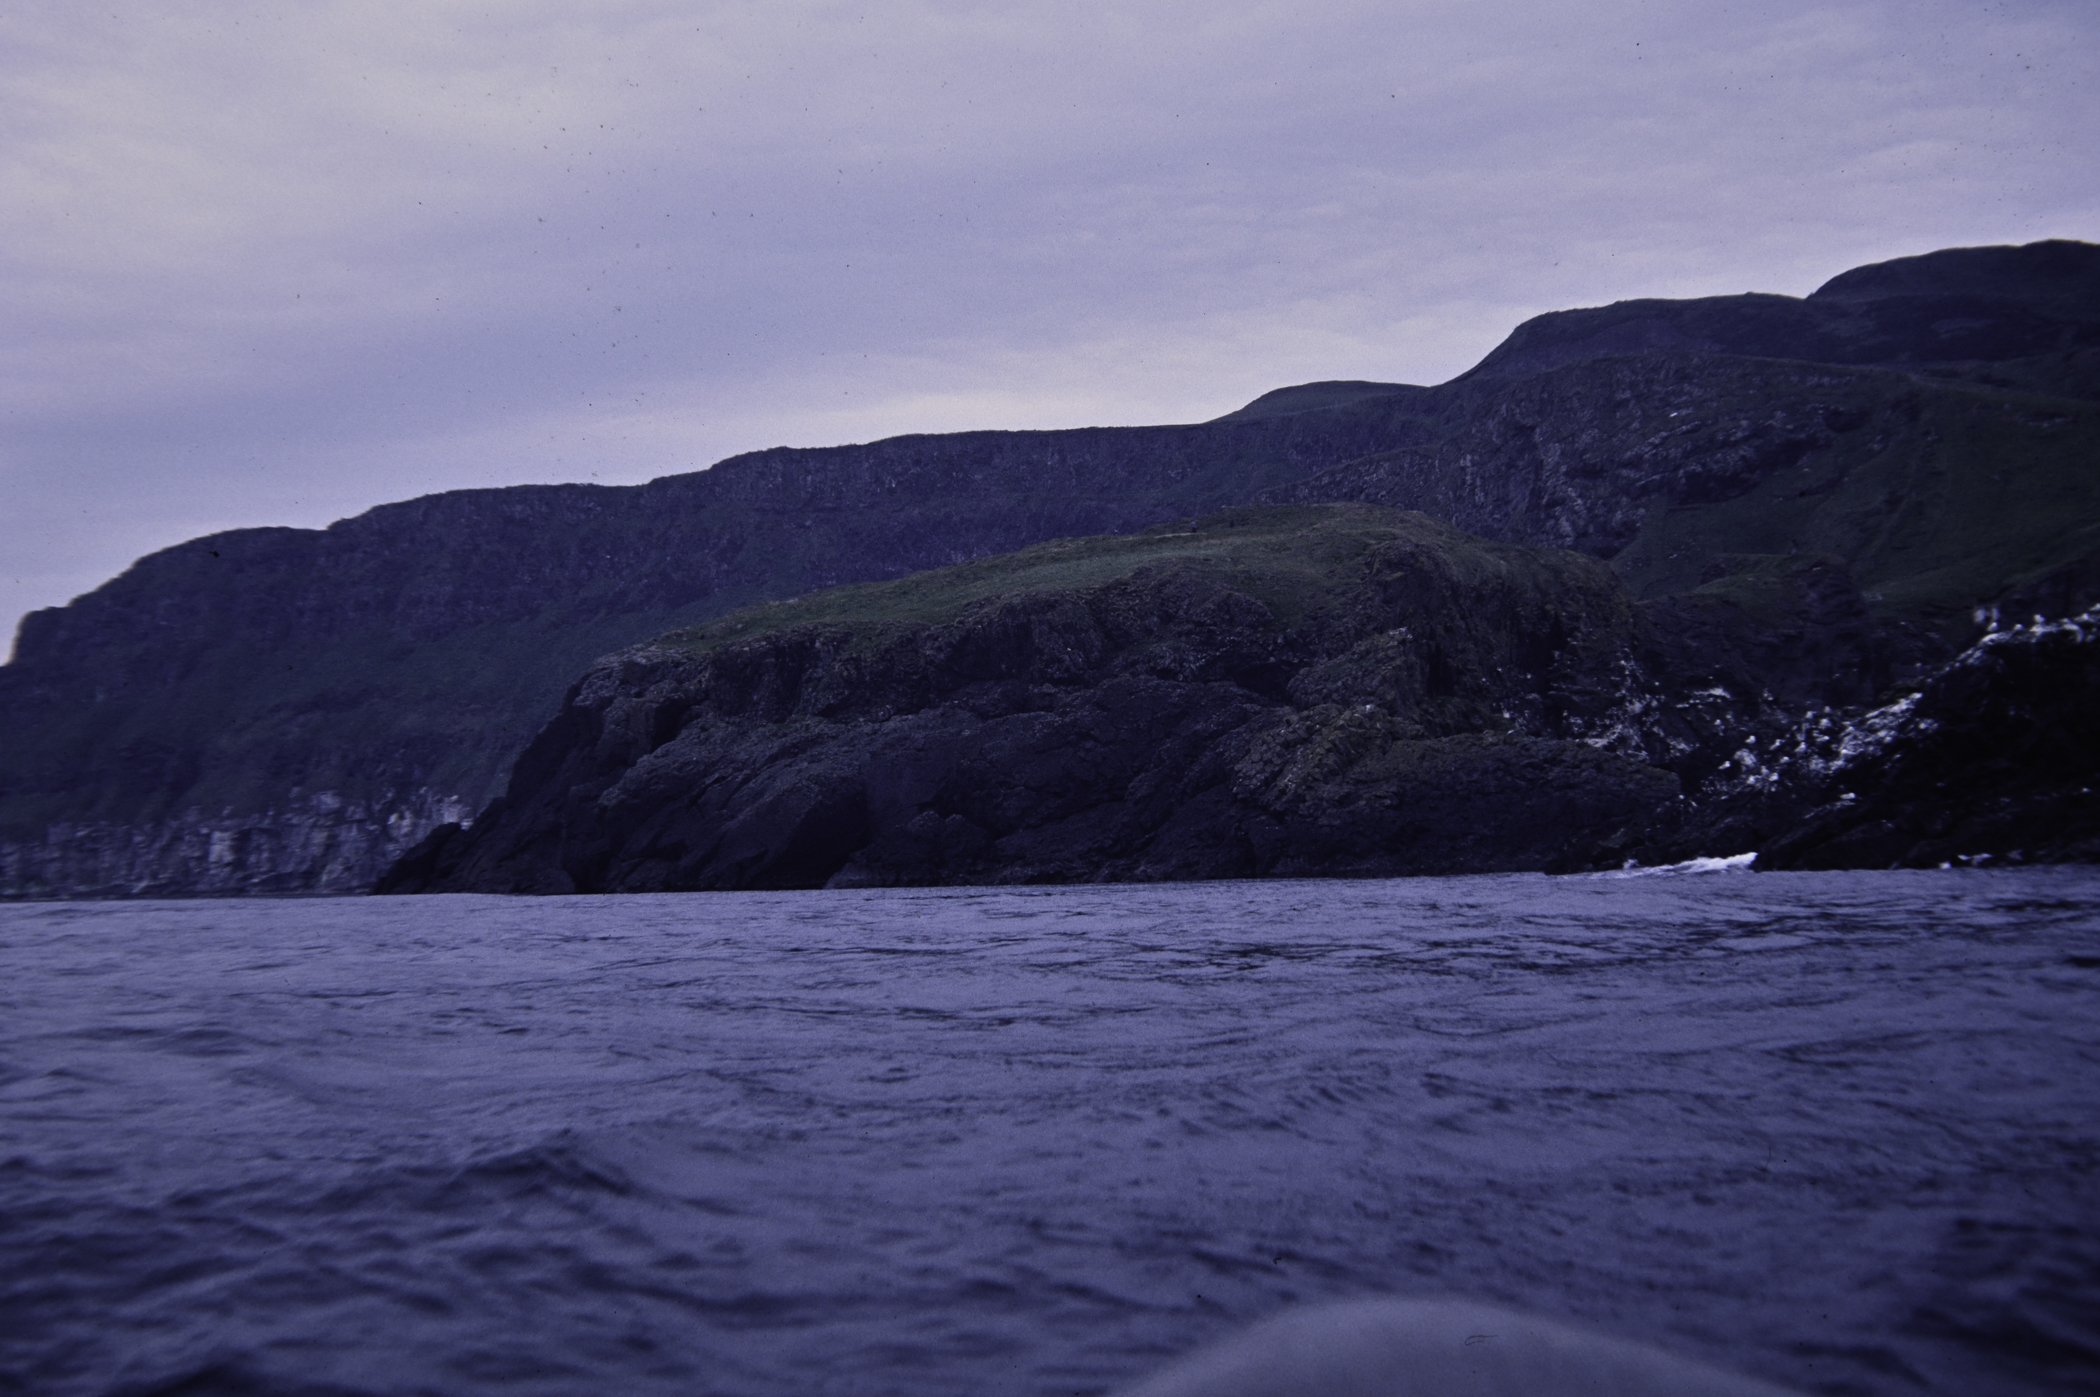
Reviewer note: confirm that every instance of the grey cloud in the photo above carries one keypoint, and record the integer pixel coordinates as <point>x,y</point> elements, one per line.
<point>275,269</point>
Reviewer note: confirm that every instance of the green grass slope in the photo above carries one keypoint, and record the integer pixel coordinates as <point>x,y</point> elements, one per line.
<point>1296,560</point>
<point>1939,497</point>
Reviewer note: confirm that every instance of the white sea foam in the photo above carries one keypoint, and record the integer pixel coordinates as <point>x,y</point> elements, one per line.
<point>1734,863</point>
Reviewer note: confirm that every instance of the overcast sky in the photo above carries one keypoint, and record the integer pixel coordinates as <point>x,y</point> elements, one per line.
<point>276,264</point>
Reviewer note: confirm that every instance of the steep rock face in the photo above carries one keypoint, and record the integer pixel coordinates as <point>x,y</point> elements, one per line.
<point>1273,693</point>
<point>418,646</point>
<point>1989,757</point>
<point>319,839</point>
<point>1938,497</point>
<point>1575,456</point>
<point>1995,757</point>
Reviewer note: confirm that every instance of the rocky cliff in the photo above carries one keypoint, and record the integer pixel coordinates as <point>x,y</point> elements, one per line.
<point>1267,692</point>
<point>316,841</point>
<point>1939,496</point>
<point>406,655</point>
<point>1289,691</point>
<point>1923,431</point>
<point>1991,757</point>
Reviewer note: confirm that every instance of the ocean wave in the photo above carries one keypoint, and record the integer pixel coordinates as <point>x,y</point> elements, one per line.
<point>1059,1152</point>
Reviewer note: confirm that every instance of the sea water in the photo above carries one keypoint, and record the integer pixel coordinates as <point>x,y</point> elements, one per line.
<point>1835,1130</point>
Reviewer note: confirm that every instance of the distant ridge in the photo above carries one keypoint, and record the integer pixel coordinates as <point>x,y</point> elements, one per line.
<point>2058,276</point>
<point>1961,304</point>
<point>1308,397</point>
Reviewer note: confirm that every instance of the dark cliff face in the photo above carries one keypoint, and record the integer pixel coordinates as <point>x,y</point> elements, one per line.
<point>1306,691</point>
<point>1995,757</point>
<point>1288,691</point>
<point>1275,692</point>
<point>419,645</point>
<point>1938,496</point>
<point>1926,426</point>
<point>1990,757</point>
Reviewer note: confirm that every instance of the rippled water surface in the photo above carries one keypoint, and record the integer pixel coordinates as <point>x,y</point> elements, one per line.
<point>1839,1130</point>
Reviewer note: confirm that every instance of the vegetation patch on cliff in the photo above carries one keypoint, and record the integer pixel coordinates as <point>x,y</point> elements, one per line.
<point>1294,560</point>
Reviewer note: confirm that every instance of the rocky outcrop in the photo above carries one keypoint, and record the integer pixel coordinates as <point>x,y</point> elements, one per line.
<point>1276,692</point>
<point>1991,757</point>
<point>1995,758</point>
<point>1296,691</point>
